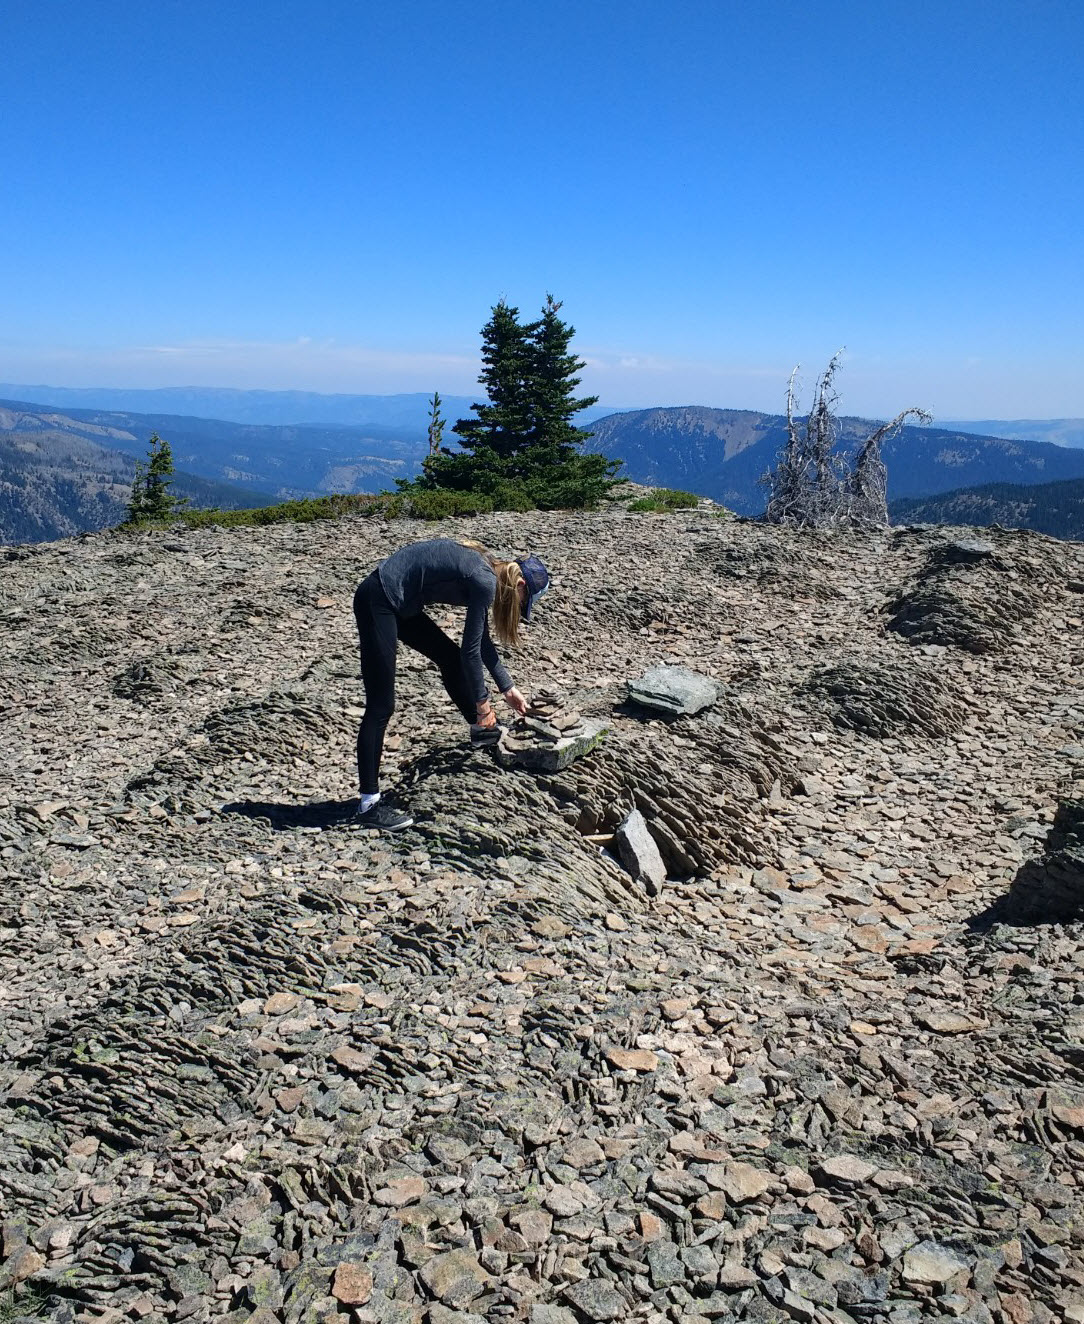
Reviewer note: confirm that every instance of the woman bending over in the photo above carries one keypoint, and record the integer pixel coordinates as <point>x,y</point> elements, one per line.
<point>388,607</point>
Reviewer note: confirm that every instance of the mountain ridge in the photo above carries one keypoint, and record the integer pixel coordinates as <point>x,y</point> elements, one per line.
<point>719,453</point>
<point>400,410</point>
<point>406,412</point>
<point>285,460</point>
<point>680,448</point>
<point>1059,431</point>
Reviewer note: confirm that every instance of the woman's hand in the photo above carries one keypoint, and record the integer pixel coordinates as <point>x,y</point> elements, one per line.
<point>515,700</point>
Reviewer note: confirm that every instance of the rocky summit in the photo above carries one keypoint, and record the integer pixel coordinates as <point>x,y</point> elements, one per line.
<point>826,1063</point>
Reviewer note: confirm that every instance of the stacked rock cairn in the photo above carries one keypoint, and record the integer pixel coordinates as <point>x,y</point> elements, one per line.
<point>547,721</point>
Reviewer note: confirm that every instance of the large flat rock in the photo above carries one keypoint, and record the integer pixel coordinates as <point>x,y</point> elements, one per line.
<point>674,690</point>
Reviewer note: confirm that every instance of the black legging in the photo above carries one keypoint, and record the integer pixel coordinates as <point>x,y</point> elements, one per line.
<point>379,631</point>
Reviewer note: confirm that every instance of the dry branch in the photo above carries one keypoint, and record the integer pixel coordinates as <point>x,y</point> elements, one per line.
<point>811,485</point>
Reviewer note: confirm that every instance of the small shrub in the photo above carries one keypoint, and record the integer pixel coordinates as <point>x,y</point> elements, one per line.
<point>20,1303</point>
<point>300,512</point>
<point>664,499</point>
<point>511,496</point>
<point>675,498</point>
<point>408,502</point>
<point>442,503</point>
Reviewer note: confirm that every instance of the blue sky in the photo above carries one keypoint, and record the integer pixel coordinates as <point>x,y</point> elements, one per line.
<point>330,195</point>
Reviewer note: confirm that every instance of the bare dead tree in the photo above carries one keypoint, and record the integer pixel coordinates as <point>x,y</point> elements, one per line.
<point>811,485</point>
<point>436,424</point>
<point>807,484</point>
<point>786,481</point>
<point>826,465</point>
<point>867,487</point>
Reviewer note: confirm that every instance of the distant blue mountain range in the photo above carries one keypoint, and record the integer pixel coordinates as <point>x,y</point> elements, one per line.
<point>406,415</point>
<point>1060,431</point>
<point>720,453</point>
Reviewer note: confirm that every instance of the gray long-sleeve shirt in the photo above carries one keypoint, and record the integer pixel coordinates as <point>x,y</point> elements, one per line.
<point>441,570</point>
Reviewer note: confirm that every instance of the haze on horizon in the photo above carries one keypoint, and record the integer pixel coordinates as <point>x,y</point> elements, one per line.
<point>330,198</point>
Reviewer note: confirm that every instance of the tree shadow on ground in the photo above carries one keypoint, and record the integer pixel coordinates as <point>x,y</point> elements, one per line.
<point>1048,889</point>
<point>289,817</point>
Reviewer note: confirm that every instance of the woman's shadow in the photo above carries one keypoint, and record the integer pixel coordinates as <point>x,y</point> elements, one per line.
<point>290,817</point>
<point>440,764</point>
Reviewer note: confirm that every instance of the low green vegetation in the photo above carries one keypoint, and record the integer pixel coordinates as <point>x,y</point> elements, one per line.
<point>408,503</point>
<point>664,499</point>
<point>298,512</point>
<point>16,1303</point>
<point>383,505</point>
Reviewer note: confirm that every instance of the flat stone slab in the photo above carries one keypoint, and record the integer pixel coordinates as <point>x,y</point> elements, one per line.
<point>674,690</point>
<point>968,551</point>
<point>557,756</point>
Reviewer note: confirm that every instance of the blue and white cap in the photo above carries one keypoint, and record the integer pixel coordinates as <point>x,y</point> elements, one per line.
<point>537,579</point>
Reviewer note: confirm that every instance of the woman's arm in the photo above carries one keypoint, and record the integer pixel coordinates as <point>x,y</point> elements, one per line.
<point>478,649</point>
<point>493,663</point>
<point>474,631</point>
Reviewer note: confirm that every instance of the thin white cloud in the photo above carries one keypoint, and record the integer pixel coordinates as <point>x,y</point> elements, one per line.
<point>300,364</point>
<point>874,384</point>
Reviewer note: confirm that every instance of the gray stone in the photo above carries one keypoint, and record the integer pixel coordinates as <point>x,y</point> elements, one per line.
<point>552,1315</point>
<point>810,1286</point>
<point>455,1277</point>
<point>968,551</point>
<point>701,1262</point>
<point>674,690</point>
<point>847,1169</point>
<point>930,1262</point>
<point>664,1264</point>
<point>562,1202</point>
<point>637,851</point>
<point>896,1239</point>
<point>596,1299</point>
<point>447,1149</point>
<point>734,1277</point>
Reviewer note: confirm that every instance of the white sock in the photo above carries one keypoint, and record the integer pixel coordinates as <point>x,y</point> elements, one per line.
<point>367,801</point>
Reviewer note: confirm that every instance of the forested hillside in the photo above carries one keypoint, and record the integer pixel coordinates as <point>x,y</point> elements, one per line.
<point>1054,508</point>
<point>285,461</point>
<point>723,453</point>
<point>53,485</point>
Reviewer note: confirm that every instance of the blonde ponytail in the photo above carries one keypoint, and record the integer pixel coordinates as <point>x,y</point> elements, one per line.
<point>506,611</point>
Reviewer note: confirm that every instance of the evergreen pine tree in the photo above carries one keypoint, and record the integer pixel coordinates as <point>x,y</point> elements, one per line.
<point>151,499</point>
<point>552,383</point>
<point>502,423</point>
<point>522,448</point>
